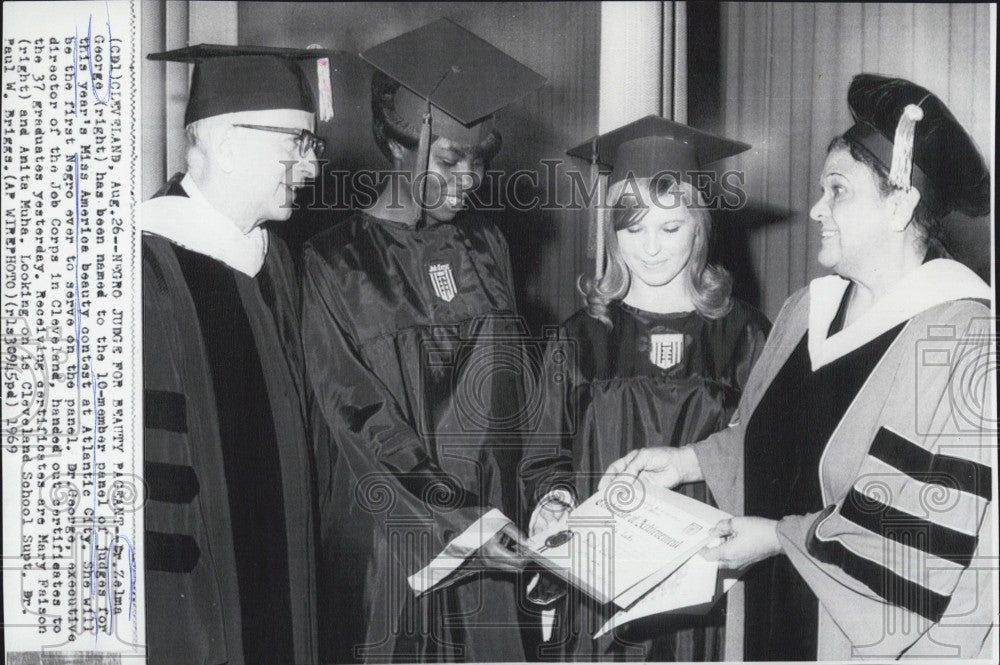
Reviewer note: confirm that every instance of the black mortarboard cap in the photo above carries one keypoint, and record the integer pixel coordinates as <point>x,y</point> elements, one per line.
<point>230,79</point>
<point>947,167</point>
<point>652,145</point>
<point>465,78</point>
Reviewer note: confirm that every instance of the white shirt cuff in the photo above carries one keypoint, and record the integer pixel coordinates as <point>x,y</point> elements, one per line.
<point>457,551</point>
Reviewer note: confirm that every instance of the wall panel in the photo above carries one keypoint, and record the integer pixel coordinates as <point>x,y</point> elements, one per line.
<point>785,73</point>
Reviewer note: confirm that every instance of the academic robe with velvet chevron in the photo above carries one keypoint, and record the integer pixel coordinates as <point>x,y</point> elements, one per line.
<point>229,547</point>
<point>412,347</point>
<point>898,555</point>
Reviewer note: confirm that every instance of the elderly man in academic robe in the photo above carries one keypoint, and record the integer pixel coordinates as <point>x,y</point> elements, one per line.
<point>229,550</point>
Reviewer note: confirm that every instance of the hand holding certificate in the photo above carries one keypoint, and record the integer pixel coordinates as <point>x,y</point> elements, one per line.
<point>622,542</point>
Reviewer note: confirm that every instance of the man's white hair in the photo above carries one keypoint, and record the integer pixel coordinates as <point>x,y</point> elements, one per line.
<point>200,134</point>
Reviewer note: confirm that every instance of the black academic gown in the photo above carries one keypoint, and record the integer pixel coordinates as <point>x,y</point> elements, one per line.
<point>229,556</point>
<point>408,335</point>
<point>614,400</point>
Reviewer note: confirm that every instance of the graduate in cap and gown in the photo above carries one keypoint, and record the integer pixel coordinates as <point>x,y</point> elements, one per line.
<point>660,356</point>
<point>863,453</point>
<point>411,340</point>
<point>229,518</point>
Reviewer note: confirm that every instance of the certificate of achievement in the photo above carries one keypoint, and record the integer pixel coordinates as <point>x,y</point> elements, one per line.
<point>621,543</point>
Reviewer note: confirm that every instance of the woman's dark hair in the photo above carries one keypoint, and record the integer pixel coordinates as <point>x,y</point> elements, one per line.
<point>388,126</point>
<point>927,224</point>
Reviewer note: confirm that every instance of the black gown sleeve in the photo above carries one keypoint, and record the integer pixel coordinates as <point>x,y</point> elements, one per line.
<point>547,463</point>
<point>391,469</point>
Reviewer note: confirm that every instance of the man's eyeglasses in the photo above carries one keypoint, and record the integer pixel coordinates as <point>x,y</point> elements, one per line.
<point>304,139</point>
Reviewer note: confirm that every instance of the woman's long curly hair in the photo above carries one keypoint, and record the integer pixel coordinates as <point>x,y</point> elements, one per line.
<point>711,285</point>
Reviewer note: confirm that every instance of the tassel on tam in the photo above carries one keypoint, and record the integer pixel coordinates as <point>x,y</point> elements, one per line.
<point>902,147</point>
<point>325,104</point>
<point>938,157</point>
<point>232,79</point>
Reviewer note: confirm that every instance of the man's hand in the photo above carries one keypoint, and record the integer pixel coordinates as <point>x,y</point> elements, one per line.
<point>551,510</point>
<point>746,540</point>
<point>663,466</point>
<point>504,551</point>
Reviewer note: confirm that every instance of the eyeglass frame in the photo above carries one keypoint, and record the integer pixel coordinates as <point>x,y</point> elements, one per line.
<point>304,139</point>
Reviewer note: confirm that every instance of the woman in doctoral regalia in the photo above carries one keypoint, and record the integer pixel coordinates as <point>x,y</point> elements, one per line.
<point>659,357</point>
<point>409,325</point>
<point>865,446</point>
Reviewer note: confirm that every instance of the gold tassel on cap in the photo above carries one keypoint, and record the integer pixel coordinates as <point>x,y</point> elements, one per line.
<point>902,147</point>
<point>595,173</point>
<point>325,110</point>
<point>325,102</point>
<point>423,156</point>
<point>424,142</point>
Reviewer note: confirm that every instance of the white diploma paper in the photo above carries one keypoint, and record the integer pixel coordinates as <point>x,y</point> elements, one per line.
<point>626,540</point>
<point>691,589</point>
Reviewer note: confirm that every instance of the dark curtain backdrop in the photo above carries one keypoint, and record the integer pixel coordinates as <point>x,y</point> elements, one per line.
<point>785,69</point>
<point>559,40</point>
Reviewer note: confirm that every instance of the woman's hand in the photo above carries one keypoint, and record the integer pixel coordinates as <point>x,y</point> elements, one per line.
<point>664,466</point>
<point>746,540</point>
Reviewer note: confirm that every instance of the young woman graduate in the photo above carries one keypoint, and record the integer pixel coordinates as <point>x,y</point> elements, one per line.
<point>864,451</point>
<point>659,357</point>
<point>408,322</point>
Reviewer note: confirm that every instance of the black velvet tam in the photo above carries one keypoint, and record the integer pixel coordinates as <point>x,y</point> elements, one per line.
<point>948,169</point>
<point>231,79</point>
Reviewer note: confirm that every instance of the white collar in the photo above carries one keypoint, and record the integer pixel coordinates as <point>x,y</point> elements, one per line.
<point>193,223</point>
<point>933,283</point>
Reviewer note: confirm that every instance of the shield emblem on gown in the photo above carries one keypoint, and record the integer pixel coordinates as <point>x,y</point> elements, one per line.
<point>443,281</point>
<point>666,349</point>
